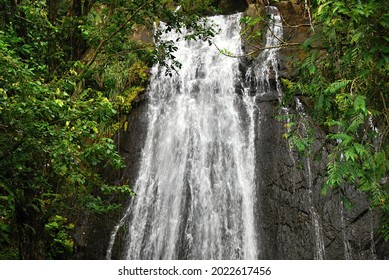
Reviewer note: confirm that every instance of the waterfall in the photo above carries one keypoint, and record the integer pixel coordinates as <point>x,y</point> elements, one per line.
<point>195,187</point>
<point>215,179</point>
<point>196,184</point>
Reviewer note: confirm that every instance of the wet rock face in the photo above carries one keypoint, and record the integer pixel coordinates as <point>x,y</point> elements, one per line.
<point>288,195</point>
<point>131,141</point>
<point>283,217</point>
<point>295,220</point>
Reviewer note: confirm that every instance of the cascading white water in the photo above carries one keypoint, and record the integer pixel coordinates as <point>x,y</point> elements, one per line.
<point>196,184</point>
<point>195,187</point>
<point>346,243</point>
<point>372,241</point>
<point>263,76</point>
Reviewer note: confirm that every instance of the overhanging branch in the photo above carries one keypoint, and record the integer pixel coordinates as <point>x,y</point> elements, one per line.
<point>106,40</point>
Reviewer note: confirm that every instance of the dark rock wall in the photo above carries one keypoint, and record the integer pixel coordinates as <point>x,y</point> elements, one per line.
<point>286,195</point>
<point>283,217</point>
<point>130,143</point>
<point>231,6</point>
<point>289,190</point>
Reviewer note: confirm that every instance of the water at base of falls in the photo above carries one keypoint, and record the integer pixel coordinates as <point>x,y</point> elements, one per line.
<point>195,189</point>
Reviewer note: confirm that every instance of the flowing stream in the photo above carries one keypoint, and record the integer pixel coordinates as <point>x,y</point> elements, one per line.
<point>196,184</point>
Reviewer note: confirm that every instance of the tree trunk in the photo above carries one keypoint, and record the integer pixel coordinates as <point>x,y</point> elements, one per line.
<point>77,44</point>
<point>17,18</point>
<point>30,230</point>
<point>52,15</point>
<point>53,11</point>
<point>88,4</point>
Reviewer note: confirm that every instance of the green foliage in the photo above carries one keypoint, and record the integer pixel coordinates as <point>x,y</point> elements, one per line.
<point>50,143</point>
<point>254,28</point>
<point>196,6</point>
<point>345,76</point>
<point>300,133</point>
<point>98,205</point>
<point>69,72</point>
<point>60,241</point>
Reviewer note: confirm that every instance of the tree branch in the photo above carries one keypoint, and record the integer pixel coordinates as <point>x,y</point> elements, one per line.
<point>257,49</point>
<point>309,14</point>
<point>106,40</point>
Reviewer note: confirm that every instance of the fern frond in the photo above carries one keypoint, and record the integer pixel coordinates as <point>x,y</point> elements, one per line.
<point>336,86</point>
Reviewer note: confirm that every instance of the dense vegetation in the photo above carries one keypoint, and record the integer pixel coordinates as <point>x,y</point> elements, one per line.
<point>345,76</point>
<point>69,70</point>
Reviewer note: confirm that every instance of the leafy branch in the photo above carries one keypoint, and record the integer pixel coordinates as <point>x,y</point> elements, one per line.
<point>112,35</point>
